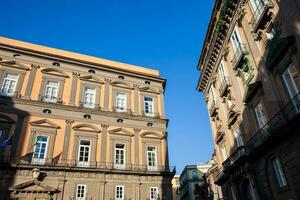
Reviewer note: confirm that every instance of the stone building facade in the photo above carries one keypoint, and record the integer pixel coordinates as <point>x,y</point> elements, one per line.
<point>250,69</point>
<point>79,127</point>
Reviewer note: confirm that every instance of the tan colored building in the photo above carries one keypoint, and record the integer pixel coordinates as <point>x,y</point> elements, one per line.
<point>176,187</point>
<point>80,127</point>
<point>250,77</point>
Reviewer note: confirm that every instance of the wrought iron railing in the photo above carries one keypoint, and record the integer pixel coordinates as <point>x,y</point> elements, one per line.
<point>151,114</point>
<point>240,152</point>
<point>259,12</point>
<point>240,51</point>
<point>219,174</point>
<point>121,110</point>
<point>224,85</point>
<point>51,99</point>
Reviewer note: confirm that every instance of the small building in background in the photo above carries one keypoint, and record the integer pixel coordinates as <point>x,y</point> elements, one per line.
<point>176,187</point>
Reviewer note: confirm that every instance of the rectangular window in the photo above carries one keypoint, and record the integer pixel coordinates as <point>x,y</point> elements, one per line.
<point>238,138</point>
<point>9,85</point>
<point>260,115</point>
<point>81,192</point>
<point>151,154</point>
<point>89,97</point>
<point>212,99</point>
<point>51,92</point>
<point>1,134</point>
<point>223,151</point>
<point>236,39</point>
<point>279,173</point>
<point>40,149</point>
<point>84,153</point>
<point>257,7</point>
<point>221,70</point>
<point>154,193</point>
<point>148,106</point>
<point>119,192</point>
<point>121,102</point>
<point>120,156</point>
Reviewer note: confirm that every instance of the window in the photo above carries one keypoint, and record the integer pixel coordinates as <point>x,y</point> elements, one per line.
<point>223,150</point>
<point>236,39</point>
<point>9,85</point>
<point>260,115</point>
<point>194,174</point>
<point>279,172</point>
<point>291,79</point>
<point>119,192</point>
<point>120,156</point>
<point>148,106</point>
<point>40,149</point>
<point>51,92</point>
<point>221,70</point>
<point>151,154</point>
<point>212,96</point>
<point>257,7</point>
<point>89,97</point>
<point>1,134</point>
<point>80,192</point>
<point>84,153</point>
<point>121,102</point>
<point>238,138</point>
<point>233,192</point>
<point>154,193</point>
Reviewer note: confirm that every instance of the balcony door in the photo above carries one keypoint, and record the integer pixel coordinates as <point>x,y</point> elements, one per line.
<point>152,161</point>
<point>40,150</point>
<point>121,102</point>
<point>51,91</point>
<point>257,7</point>
<point>236,39</point>
<point>291,79</point>
<point>84,153</point>
<point>120,156</point>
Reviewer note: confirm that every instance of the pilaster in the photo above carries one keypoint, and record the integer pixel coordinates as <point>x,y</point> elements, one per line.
<point>30,81</point>
<point>106,93</point>
<point>73,88</point>
<point>65,151</point>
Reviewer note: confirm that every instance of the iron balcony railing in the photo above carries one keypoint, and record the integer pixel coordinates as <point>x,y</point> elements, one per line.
<point>51,99</point>
<point>89,105</point>
<point>122,110</point>
<point>219,174</point>
<point>240,51</point>
<point>286,114</point>
<point>151,114</point>
<point>239,153</point>
<point>224,85</point>
<point>213,108</point>
<point>106,166</point>
<point>258,14</point>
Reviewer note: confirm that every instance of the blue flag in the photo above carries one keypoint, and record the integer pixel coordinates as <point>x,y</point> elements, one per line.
<point>6,142</point>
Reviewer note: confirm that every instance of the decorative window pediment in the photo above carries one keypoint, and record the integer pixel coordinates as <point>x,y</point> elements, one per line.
<point>5,119</point>
<point>44,123</point>
<point>121,84</point>
<point>33,186</point>
<point>14,64</point>
<point>55,72</point>
<point>86,128</point>
<point>149,89</point>
<point>121,131</point>
<point>153,135</point>
<point>91,78</point>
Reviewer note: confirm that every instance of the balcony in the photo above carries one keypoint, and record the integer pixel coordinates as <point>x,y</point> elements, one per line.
<point>121,110</point>
<point>261,15</point>
<point>240,52</point>
<point>51,99</point>
<point>152,114</point>
<point>89,105</point>
<point>240,153</point>
<point>224,86</point>
<point>219,174</point>
<point>89,165</point>
<point>213,108</point>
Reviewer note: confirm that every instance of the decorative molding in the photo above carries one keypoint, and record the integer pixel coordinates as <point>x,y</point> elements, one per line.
<point>121,84</point>
<point>86,128</point>
<point>44,123</point>
<point>149,89</point>
<point>151,134</point>
<point>91,78</point>
<point>121,131</point>
<point>14,64</point>
<point>55,72</point>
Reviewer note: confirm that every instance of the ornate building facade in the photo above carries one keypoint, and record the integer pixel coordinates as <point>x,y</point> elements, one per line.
<point>78,127</point>
<point>250,69</point>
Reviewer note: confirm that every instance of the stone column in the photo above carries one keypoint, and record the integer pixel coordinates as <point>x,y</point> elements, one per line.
<point>137,191</point>
<point>30,81</point>
<point>165,143</point>
<point>162,103</point>
<point>136,146</point>
<point>103,144</point>
<point>101,194</point>
<point>136,99</point>
<point>106,93</point>
<point>17,135</point>
<point>65,151</point>
<point>73,88</point>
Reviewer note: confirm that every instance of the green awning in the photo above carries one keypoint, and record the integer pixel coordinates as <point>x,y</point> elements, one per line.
<point>251,91</point>
<point>278,47</point>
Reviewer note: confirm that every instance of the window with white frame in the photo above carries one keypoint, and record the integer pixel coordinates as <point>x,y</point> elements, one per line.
<point>40,149</point>
<point>211,96</point>
<point>121,102</point>
<point>257,7</point>
<point>238,138</point>
<point>154,193</point>
<point>51,91</point>
<point>223,150</point>
<point>119,192</point>
<point>89,97</point>
<point>222,72</point>
<point>236,39</point>
<point>260,115</point>
<point>151,156</point>
<point>9,85</point>
<point>281,181</point>
<point>84,153</point>
<point>120,156</point>
<point>148,106</point>
<point>81,192</point>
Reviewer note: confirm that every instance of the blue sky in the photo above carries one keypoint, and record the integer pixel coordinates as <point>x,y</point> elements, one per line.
<point>162,34</point>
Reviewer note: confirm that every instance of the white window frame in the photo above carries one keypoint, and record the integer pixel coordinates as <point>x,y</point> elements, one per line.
<point>84,163</point>
<point>116,164</point>
<point>89,100</point>
<point>84,192</point>
<point>121,108</point>
<point>280,177</point>
<point>154,155</point>
<point>53,97</point>
<point>235,39</point>
<point>10,80</point>
<point>222,71</point>
<point>223,150</point>
<point>39,160</point>
<point>154,196</point>
<point>261,116</point>
<point>119,192</point>
<point>150,112</point>
<point>238,138</point>
<point>212,98</point>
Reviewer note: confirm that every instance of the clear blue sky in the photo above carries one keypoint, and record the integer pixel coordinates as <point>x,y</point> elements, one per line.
<point>162,34</point>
